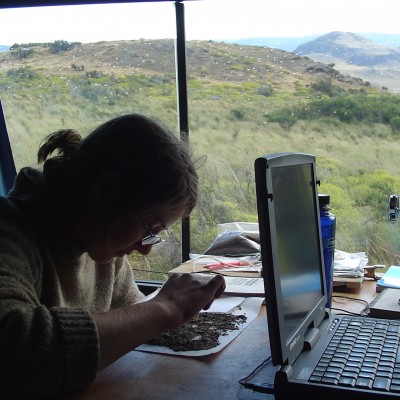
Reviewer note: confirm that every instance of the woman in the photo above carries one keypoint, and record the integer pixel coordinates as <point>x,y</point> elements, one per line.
<point>69,305</point>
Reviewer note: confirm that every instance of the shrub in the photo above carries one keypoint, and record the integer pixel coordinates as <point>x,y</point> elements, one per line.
<point>325,86</point>
<point>25,73</point>
<point>75,67</point>
<point>22,52</point>
<point>62,45</point>
<point>238,114</point>
<point>395,124</point>
<point>265,90</point>
<point>345,108</point>
<point>95,74</point>
<point>284,118</point>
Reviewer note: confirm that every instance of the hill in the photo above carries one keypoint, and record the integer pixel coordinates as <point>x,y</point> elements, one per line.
<point>244,101</point>
<point>357,56</point>
<point>291,43</point>
<point>351,48</point>
<point>205,59</point>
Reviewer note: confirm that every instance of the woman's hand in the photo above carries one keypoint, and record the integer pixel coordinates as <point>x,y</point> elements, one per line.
<point>181,298</point>
<point>184,295</point>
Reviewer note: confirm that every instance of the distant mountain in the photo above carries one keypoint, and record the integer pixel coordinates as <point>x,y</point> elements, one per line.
<point>351,48</point>
<point>357,56</point>
<point>291,43</point>
<point>4,48</point>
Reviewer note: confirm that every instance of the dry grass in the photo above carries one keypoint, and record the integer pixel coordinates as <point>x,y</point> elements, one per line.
<point>226,116</point>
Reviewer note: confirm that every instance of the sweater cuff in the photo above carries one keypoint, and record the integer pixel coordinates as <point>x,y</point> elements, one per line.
<point>81,346</point>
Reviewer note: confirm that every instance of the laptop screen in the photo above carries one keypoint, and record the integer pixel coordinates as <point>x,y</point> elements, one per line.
<point>291,251</point>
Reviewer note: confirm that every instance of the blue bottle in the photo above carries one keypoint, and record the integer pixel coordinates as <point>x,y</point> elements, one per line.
<point>328,231</point>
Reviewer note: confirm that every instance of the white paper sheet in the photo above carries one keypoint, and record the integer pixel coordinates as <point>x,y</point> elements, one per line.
<point>250,307</point>
<point>242,286</point>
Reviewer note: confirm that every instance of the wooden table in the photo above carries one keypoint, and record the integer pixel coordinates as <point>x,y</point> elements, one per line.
<point>353,299</point>
<point>150,376</point>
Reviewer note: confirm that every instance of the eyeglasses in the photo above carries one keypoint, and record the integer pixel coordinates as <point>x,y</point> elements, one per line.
<point>152,239</point>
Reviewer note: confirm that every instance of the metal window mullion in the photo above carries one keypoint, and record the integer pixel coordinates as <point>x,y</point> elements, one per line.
<point>182,105</point>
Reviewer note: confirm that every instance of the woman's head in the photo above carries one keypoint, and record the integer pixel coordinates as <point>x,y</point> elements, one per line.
<point>154,167</point>
<point>147,168</point>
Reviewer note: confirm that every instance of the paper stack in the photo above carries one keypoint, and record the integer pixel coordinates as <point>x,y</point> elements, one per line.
<point>349,265</point>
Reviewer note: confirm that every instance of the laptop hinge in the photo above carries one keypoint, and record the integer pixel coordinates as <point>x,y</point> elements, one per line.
<point>311,338</point>
<point>283,374</point>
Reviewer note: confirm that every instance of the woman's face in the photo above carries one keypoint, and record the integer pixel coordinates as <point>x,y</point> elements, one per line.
<point>108,238</point>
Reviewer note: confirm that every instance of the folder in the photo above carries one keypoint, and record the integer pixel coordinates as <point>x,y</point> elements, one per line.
<point>391,279</point>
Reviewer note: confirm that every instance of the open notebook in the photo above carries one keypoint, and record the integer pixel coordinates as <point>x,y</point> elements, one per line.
<point>317,353</point>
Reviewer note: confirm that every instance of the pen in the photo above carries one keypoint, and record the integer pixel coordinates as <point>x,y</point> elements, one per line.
<point>229,264</point>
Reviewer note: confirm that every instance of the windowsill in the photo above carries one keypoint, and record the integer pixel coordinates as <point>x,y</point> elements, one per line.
<point>148,286</point>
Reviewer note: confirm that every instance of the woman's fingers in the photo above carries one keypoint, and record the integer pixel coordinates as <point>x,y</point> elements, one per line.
<point>217,283</point>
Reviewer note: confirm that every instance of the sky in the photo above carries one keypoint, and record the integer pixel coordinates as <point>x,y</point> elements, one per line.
<point>205,20</point>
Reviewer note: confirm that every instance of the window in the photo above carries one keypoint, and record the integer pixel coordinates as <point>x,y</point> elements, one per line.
<point>78,66</point>
<point>249,94</point>
<point>248,98</point>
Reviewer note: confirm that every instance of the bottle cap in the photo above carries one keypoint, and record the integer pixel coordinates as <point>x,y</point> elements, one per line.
<point>323,200</point>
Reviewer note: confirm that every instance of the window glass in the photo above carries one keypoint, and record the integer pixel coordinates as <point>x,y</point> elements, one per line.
<point>250,94</point>
<point>78,66</point>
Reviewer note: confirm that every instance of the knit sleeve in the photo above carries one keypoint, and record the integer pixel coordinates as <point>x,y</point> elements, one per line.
<point>44,350</point>
<point>80,344</point>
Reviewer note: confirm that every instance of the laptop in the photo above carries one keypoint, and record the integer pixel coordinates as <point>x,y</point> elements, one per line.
<point>317,353</point>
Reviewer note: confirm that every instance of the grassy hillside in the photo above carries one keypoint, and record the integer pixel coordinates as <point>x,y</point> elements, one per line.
<point>244,101</point>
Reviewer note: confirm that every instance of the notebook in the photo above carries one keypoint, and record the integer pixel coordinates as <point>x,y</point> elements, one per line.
<point>316,352</point>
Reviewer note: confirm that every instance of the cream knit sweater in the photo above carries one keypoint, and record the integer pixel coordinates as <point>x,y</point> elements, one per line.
<point>48,288</point>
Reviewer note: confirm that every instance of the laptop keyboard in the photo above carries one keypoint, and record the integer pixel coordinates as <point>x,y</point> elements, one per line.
<point>363,353</point>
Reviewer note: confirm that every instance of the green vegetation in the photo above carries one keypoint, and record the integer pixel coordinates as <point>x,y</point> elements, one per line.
<point>54,47</point>
<point>241,106</point>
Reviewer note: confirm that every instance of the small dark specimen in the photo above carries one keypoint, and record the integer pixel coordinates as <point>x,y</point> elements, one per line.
<point>200,333</point>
